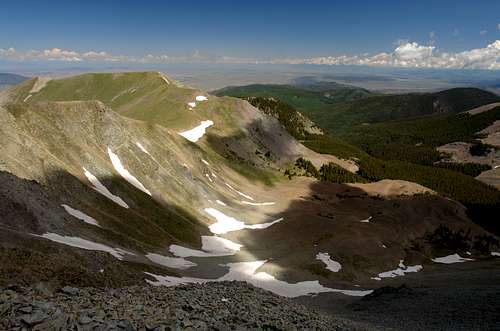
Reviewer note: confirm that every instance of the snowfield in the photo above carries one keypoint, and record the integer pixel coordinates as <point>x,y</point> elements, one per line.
<point>117,164</point>
<point>211,246</point>
<point>247,272</point>
<point>331,265</point>
<point>227,224</point>
<point>85,244</point>
<point>170,262</point>
<point>201,98</point>
<point>196,133</point>
<point>80,215</point>
<point>99,187</point>
<point>449,259</point>
<point>400,271</point>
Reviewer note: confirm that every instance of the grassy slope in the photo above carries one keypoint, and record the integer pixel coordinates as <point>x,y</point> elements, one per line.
<point>147,97</point>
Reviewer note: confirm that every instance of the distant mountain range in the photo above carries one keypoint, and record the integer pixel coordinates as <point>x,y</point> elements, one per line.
<point>7,80</point>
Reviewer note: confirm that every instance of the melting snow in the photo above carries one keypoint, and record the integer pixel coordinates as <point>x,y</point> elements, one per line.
<point>204,161</point>
<point>85,244</point>
<point>242,194</point>
<point>367,220</point>
<point>80,215</point>
<point>124,172</point>
<point>449,259</point>
<point>192,104</point>
<point>27,97</point>
<point>258,203</point>
<point>211,246</point>
<point>196,133</point>
<point>201,98</point>
<point>209,178</point>
<point>170,262</point>
<point>247,271</point>
<point>142,148</point>
<point>226,223</point>
<point>330,264</point>
<point>401,271</point>
<point>102,189</point>
<point>220,203</point>
<point>495,253</point>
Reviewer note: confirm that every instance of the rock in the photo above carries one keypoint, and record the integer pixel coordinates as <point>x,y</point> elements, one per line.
<point>70,290</point>
<point>188,307</point>
<point>35,318</point>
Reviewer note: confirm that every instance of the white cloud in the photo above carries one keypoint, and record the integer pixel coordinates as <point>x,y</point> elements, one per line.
<point>498,26</point>
<point>483,32</point>
<point>455,33</point>
<point>405,54</point>
<point>413,55</point>
<point>413,51</point>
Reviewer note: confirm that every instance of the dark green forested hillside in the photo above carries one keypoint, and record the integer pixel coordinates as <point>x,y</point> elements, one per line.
<point>319,95</point>
<point>406,150</point>
<point>351,106</point>
<point>415,140</point>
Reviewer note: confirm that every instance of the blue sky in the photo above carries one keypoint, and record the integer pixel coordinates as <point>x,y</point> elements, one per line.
<point>250,29</point>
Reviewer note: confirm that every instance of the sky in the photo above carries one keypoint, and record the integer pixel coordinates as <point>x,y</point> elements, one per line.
<point>315,32</point>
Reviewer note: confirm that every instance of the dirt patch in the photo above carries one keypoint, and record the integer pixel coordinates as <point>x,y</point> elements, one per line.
<point>483,109</point>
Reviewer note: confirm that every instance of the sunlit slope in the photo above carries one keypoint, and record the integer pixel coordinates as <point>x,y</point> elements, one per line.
<point>240,132</point>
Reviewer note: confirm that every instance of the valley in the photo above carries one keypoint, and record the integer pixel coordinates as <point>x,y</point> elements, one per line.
<point>131,179</point>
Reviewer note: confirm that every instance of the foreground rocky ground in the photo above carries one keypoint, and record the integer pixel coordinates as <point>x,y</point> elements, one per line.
<point>221,306</point>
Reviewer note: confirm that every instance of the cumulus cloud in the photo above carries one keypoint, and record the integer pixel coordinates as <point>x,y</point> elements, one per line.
<point>413,55</point>
<point>405,54</point>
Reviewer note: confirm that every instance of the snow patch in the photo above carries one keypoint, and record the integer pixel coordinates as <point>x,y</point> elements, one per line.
<point>99,187</point>
<point>240,193</point>
<point>211,246</point>
<point>495,253</point>
<point>191,104</point>
<point>227,224</point>
<point>117,164</point>
<point>400,271</point>
<point>366,220</point>
<point>201,98</point>
<point>170,262</point>
<point>205,162</point>
<point>85,244</point>
<point>80,215</point>
<point>196,133</point>
<point>449,259</point>
<point>220,203</point>
<point>330,264</point>
<point>27,98</point>
<point>247,272</point>
<point>258,203</point>
<point>142,148</point>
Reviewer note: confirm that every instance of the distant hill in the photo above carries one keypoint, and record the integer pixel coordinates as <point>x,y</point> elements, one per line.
<point>338,107</point>
<point>7,80</point>
<point>314,95</point>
